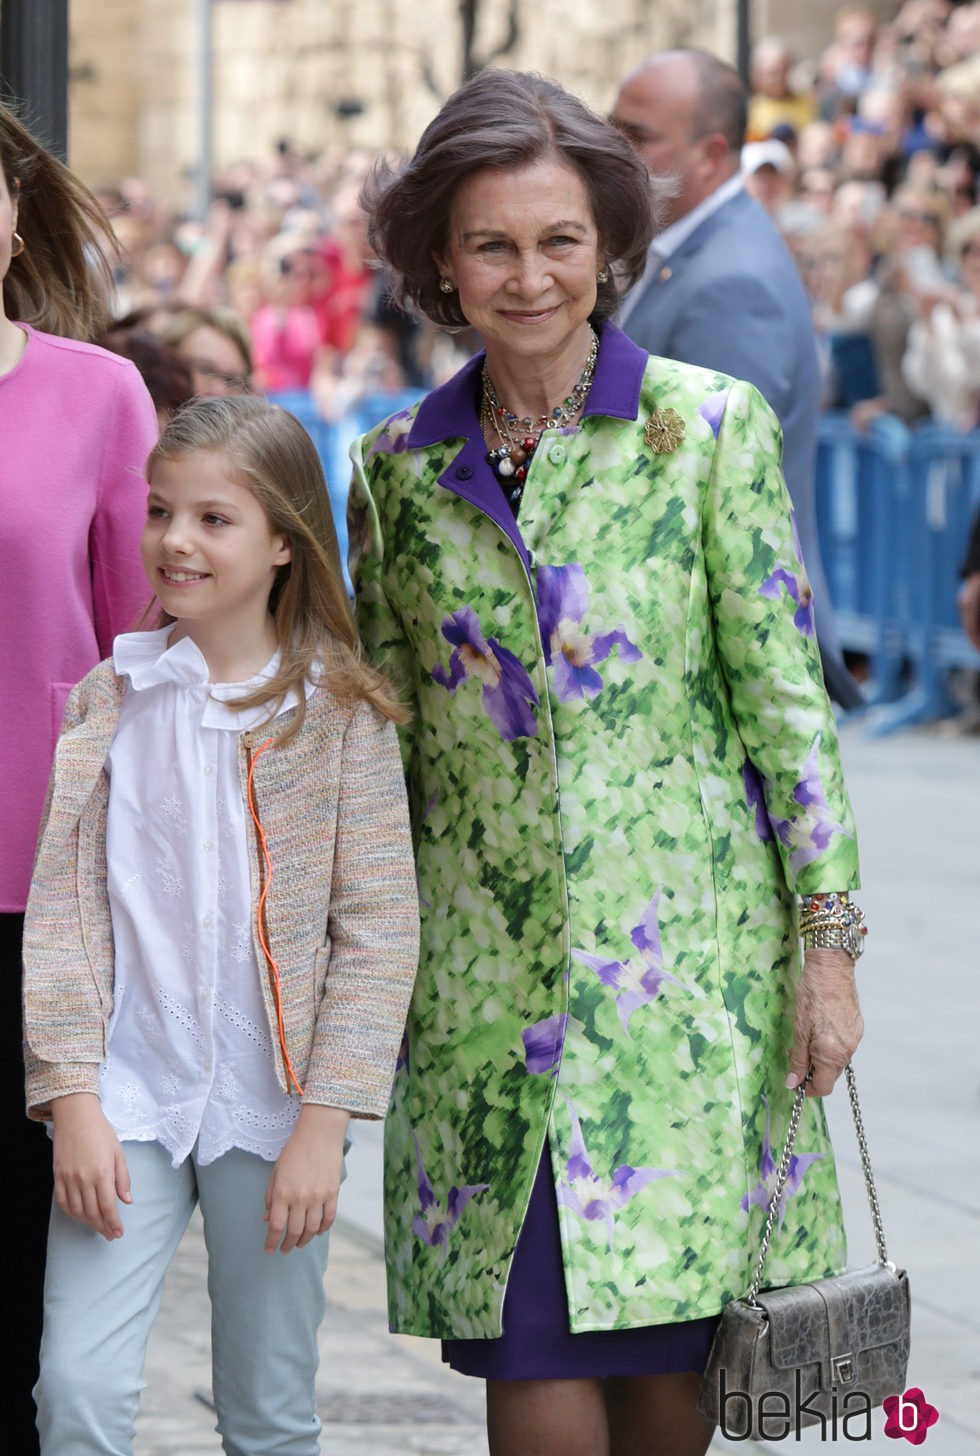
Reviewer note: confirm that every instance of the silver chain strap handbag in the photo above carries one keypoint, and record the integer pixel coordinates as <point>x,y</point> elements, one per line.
<point>829,1351</point>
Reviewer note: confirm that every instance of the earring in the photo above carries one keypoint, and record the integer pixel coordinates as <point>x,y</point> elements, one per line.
<point>446,285</point>
<point>603,275</point>
<point>19,246</point>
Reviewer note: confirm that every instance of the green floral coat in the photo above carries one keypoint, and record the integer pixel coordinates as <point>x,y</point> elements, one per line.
<point>622,762</point>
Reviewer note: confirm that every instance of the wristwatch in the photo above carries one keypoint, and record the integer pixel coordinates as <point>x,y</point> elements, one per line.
<point>849,937</point>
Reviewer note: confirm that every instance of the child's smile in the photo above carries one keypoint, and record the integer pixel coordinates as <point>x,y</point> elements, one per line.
<point>211,558</point>
<point>181,576</point>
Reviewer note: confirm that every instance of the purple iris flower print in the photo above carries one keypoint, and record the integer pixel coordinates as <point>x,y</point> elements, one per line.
<point>594,1197</point>
<point>797,588</point>
<point>762,1192</point>
<point>543,1043</point>
<point>433,1225</point>
<point>563,599</point>
<point>393,439</point>
<point>508,692</point>
<point>808,835</point>
<point>755,798</point>
<point>639,979</point>
<point>713,408</point>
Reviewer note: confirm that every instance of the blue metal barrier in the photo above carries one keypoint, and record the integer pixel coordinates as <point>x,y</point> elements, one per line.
<point>894,509</point>
<point>369,412</point>
<point>859,479</point>
<point>944,478</point>
<point>333,441</point>
<point>300,403</point>
<point>324,436</point>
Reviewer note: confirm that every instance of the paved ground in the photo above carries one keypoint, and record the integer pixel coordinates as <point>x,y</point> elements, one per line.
<point>917,798</point>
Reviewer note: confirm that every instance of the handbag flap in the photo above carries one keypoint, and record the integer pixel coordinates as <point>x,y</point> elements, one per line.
<point>830,1319</point>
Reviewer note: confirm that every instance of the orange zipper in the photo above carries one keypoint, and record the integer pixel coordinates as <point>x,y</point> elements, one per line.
<point>265,881</point>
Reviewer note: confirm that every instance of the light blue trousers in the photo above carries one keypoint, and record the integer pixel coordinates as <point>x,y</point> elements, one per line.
<point>101,1299</point>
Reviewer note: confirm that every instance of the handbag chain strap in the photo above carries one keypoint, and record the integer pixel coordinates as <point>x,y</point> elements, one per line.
<point>782,1174</point>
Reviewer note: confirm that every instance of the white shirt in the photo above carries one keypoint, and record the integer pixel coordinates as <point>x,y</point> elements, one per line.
<point>189,1057</point>
<point>666,243</point>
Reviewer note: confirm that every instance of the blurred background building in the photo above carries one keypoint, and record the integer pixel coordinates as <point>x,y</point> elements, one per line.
<point>351,73</point>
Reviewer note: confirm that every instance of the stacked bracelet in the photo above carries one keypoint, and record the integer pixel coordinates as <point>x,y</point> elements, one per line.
<point>831,922</point>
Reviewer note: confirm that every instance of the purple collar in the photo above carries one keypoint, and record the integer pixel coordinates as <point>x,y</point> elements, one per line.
<point>450,412</point>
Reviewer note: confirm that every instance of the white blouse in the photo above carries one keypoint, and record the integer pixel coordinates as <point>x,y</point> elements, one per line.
<point>190,1057</point>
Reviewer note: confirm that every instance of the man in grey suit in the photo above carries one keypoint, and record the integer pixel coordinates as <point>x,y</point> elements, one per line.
<point>721,288</point>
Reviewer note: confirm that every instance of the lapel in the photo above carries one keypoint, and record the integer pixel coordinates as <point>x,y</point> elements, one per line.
<point>676,266</point>
<point>450,413</point>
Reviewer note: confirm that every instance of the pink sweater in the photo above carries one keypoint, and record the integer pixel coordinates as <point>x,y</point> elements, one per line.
<point>76,426</point>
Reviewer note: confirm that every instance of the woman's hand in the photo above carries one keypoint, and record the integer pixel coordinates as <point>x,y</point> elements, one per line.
<point>829,1024</point>
<point>90,1172</point>
<point>301,1200</point>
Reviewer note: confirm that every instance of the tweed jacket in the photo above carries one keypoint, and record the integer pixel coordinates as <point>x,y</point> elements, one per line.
<point>622,762</point>
<point>341,910</point>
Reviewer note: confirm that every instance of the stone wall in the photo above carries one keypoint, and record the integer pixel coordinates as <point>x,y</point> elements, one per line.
<point>297,68</point>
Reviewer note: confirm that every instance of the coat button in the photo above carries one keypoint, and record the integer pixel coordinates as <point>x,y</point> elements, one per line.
<point>464,472</point>
<point>556,454</point>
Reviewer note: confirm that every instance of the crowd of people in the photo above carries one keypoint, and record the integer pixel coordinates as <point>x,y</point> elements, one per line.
<point>277,291</point>
<point>867,157</point>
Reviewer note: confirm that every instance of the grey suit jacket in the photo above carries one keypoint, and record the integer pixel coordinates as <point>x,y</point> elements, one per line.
<point>730,298</point>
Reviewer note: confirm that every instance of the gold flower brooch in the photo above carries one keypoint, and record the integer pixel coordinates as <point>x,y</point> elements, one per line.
<point>664,431</point>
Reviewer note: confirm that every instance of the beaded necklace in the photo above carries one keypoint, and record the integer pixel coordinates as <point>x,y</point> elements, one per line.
<point>520,436</point>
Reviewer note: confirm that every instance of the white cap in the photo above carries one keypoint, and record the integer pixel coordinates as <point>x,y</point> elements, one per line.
<point>770,153</point>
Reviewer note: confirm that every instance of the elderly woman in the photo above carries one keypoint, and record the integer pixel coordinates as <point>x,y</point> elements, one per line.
<point>623,769</point>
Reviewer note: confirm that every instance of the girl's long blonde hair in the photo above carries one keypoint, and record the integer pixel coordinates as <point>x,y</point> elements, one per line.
<point>270,454</point>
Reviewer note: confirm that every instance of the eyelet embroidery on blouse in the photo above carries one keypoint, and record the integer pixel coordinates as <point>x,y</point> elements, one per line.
<point>173,810</point>
<point>172,884</point>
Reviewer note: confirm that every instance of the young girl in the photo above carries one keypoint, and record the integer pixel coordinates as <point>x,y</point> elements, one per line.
<point>221,941</point>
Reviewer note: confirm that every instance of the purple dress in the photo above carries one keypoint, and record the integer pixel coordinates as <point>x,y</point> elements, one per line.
<point>537,1344</point>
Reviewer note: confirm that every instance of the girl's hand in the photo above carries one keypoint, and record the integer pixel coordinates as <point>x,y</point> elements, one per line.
<point>829,1023</point>
<point>90,1172</point>
<point>301,1200</point>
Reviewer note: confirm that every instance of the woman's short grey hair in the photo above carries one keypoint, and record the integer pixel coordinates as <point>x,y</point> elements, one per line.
<point>506,119</point>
